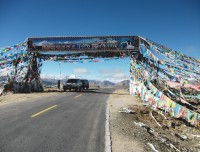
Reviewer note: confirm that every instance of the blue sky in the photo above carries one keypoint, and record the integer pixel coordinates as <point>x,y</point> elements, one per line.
<point>174,23</point>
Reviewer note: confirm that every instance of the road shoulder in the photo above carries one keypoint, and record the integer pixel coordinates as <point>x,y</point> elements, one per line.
<point>24,97</point>
<point>120,124</point>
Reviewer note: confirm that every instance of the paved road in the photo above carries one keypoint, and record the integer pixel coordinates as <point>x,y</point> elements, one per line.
<point>68,122</point>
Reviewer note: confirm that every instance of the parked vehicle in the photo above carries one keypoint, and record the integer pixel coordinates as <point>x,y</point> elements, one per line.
<point>73,84</point>
<point>85,84</point>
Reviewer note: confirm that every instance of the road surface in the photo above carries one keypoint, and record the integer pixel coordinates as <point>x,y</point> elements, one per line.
<point>67,122</point>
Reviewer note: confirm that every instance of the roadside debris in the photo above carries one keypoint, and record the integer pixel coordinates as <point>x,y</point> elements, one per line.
<point>155,119</point>
<point>158,137</point>
<point>127,110</point>
<point>182,137</point>
<point>176,134</point>
<point>140,127</point>
<point>152,147</point>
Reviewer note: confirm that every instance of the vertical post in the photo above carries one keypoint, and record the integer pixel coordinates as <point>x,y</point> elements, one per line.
<point>60,77</point>
<point>130,86</point>
<point>60,70</point>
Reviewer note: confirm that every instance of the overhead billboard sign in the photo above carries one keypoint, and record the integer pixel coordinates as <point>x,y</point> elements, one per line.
<point>83,43</point>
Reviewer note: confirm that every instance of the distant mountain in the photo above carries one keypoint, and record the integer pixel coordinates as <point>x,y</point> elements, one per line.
<point>108,83</point>
<point>124,83</point>
<point>101,83</point>
<point>53,82</point>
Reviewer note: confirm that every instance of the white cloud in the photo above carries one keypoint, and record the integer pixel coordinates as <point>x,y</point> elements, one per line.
<point>119,76</point>
<point>80,71</point>
<point>53,76</point>
<point>106,71</point>
<point>114,75</point>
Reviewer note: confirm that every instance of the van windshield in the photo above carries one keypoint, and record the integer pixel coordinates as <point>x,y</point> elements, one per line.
<point>72,81</point>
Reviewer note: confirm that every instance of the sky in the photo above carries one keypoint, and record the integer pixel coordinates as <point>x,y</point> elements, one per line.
<point>173,23</point>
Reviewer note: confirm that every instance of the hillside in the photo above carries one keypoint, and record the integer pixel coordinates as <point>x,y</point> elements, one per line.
<point>53,82</point>
<point>101,83</point>
<point>124,83</point>
<point>50,82</point>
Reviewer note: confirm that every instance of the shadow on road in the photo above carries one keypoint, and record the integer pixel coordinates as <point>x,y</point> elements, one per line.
<point>97,91</point>
<point>105,91</point>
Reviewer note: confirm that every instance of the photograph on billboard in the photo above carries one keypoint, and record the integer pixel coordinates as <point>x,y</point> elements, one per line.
<point>81,43</point>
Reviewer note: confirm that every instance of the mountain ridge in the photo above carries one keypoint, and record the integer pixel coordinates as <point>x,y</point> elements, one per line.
<point>103,83</point>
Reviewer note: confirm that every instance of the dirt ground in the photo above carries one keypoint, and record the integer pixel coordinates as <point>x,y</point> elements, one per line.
<point>121,133</point>
<point>136,128</point>
<point>10,97</point>
<point>13,98</point>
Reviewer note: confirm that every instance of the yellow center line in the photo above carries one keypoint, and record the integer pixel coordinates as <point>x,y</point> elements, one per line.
<point>78,96</point>
<point>43,111</point>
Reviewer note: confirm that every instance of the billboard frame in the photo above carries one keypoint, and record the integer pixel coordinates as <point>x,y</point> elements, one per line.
<point>102,43</point>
